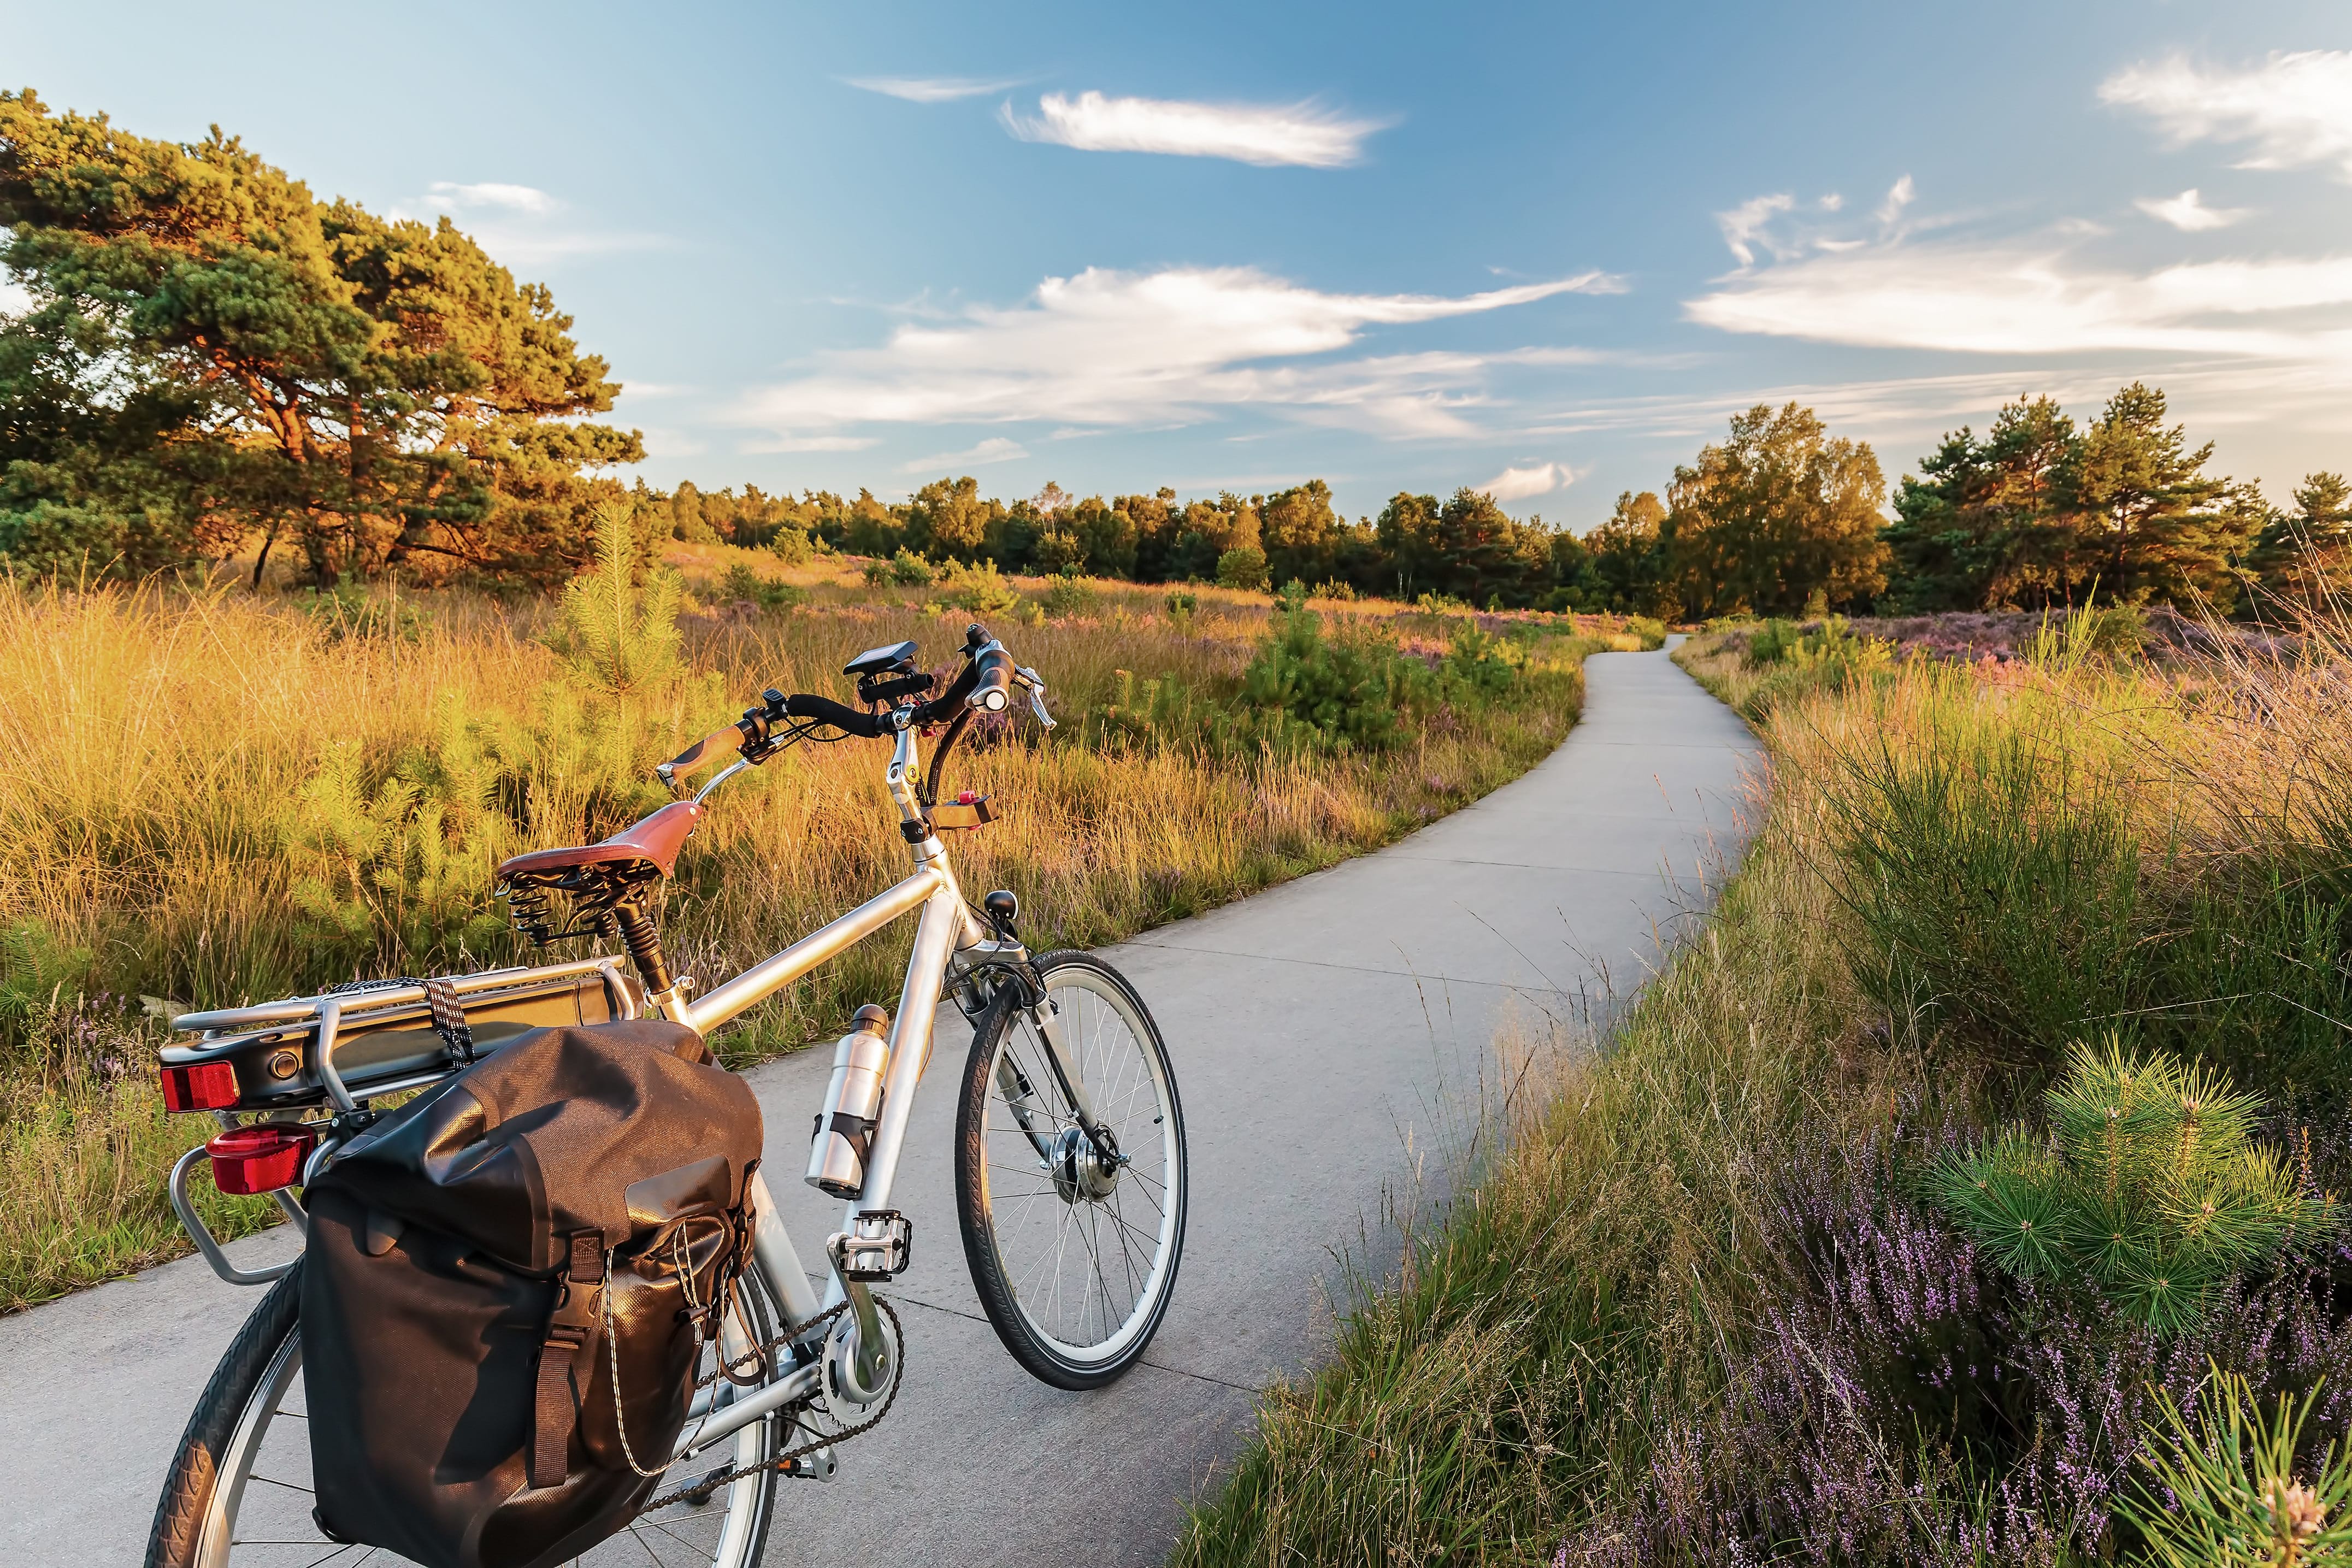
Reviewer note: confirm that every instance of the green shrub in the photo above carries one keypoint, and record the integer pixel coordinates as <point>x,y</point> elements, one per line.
<point>1649,628</point>
<point>1440,605</point>
<point>744,587</point>
<point>2150,1186</point>
<point>976,590</point>
<point>1338,695</point>
<point>1181,605</point>
<point>349,610</point>
<point>1483,662</point>
<point>1069,595</point>
<point>2226,1493</point>
<point>1243,567</point>
<point>616,635</point>
<point>1337,592</point>
<point>877,574</point>
<point>909,570</point>
<point>1290,598</point>
<point>792,546</point>
<point>1994,879</point>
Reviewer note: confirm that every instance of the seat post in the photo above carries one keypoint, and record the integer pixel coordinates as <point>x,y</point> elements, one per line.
<point>642,939</point>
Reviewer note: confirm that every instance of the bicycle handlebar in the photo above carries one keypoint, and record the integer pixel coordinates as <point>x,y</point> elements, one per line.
<point>985,685</point>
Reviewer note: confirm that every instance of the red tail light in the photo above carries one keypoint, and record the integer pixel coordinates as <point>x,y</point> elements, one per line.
<point>258,1159</point>
<point>207,1085</point>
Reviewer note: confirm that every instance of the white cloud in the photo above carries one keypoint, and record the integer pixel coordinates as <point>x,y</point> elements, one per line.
<point>814,444</point>
<point>995,449</point>
<point>512,198</point>
<point>1743,225</point>
<point>1898,196</point>
<point>930,89</point>
<point>2295,109</point>
<point>2189,213</point>
<point>1304,134</point>
<point>1519,484</point>
<point>518,226</point>
<point>1108,348</point>
<point>2028,299</point>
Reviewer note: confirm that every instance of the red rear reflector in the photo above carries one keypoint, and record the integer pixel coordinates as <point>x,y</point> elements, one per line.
<point>207,1085</point>
<point>258,1159</point>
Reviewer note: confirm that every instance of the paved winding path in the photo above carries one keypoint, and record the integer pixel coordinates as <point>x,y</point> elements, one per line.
<point>1323,1033</point>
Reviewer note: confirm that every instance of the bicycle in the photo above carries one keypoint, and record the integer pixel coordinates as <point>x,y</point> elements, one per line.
<point>1067,1114</point>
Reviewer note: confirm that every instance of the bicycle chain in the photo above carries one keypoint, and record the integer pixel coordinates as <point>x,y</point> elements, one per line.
<point>712,1483</point>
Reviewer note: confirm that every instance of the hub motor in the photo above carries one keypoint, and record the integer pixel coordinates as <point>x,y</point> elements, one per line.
<point>1080,1172</point>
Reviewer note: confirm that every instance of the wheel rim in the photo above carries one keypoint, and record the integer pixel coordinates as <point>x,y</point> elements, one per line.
<point>1087,1267</point>
<point>259,1512</point>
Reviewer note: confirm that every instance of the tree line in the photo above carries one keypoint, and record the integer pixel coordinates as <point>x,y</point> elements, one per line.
<point>212,361</point>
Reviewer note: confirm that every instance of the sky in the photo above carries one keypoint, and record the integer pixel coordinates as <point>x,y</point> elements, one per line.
<point>1540,249</point>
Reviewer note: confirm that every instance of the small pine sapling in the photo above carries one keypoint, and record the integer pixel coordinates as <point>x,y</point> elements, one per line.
<point>2224,1492</point>
<point>2149,1185</point>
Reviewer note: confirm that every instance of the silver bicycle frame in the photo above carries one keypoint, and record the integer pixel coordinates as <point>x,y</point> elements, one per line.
<point>946,930</point>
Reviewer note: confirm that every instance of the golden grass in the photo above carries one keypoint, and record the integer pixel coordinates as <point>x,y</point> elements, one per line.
<point>1582,1296</point>
<point>155,745</point>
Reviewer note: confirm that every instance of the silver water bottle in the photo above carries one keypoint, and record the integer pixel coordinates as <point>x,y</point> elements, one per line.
<point>843,1133</point>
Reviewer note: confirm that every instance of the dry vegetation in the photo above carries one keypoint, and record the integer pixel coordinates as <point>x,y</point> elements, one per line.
<point>1699,1310</point>
<point>208,797</point>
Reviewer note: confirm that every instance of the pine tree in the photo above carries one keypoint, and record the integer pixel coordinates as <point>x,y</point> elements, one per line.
<point>2149,1187</point>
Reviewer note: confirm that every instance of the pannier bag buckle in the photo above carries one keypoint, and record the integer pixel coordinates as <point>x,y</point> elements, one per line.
<point>879,1243</point>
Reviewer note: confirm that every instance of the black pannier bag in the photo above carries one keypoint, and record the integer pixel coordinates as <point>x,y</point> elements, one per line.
<point>479,1264</point>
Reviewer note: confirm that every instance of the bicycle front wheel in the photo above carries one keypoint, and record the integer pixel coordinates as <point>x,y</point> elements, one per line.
<point>1073,1248</point>
<point>239,1494</point>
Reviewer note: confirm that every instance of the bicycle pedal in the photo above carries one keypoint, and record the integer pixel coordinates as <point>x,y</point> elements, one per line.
<point>878,1244</point>
<point>816,1466</point>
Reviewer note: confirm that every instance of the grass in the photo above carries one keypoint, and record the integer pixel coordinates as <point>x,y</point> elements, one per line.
<point>210,797</point>
<point>1691,1308</point>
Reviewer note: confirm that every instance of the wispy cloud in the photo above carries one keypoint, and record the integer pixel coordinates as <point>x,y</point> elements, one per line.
<point>1743,225</point>
<point>1127,348</point>
<point>522,226</point>
<point>932,89</point>
<point>1519,484</point>
<point>2189,213</point>
<point>510,198</point>
<point>995,449</point>
<point>1304,134</point>
<point>2295,109</point>
<point>2033,299</point>
<point>812,444</point>
<point>1898,196</point>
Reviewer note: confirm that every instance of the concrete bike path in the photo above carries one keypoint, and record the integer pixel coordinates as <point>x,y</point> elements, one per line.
<point>1325,1033</point>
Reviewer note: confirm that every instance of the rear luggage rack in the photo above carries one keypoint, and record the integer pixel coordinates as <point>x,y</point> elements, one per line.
<point>381,1040</point>
<point>267,1061</point>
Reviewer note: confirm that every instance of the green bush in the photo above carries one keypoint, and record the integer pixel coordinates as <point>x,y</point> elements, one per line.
<point>744,587</point>
<point>877,574</point>
<point>1334,695</point>
<point>1069,595</point>
<point>792,546</point>
<point>2149,1184</point>
<point>1337,592</point>
<point>975,590</point>
<point>909,570</point>
<point>1242,568</point>
<point>349,610</point>
<point>1482,662</point>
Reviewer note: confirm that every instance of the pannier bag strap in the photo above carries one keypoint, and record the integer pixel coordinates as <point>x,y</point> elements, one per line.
<point>569,1328</point>
<point>450,1018</point>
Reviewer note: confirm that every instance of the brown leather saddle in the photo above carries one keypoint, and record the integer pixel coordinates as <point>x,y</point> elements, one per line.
<point>596,878</point>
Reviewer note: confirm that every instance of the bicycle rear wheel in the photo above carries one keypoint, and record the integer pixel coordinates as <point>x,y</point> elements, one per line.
<point>238,1493</point>
<point>1074,1254</point>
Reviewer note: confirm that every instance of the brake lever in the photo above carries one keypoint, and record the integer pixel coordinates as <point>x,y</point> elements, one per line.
<point>1034,684</point>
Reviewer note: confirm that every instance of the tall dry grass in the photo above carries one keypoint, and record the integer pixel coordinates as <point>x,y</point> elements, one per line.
<point>1959,869</point>
<point>166,759</point>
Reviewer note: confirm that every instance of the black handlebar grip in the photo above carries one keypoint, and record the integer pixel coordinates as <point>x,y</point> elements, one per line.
<point>826,711</point>
<point>994,688</point>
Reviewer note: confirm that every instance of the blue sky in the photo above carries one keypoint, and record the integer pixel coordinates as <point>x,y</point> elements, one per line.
<point>1547,248</point>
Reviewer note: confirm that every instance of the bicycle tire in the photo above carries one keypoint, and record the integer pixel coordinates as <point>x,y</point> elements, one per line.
<point>188,1532</point>
<point>1049,1359</point>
